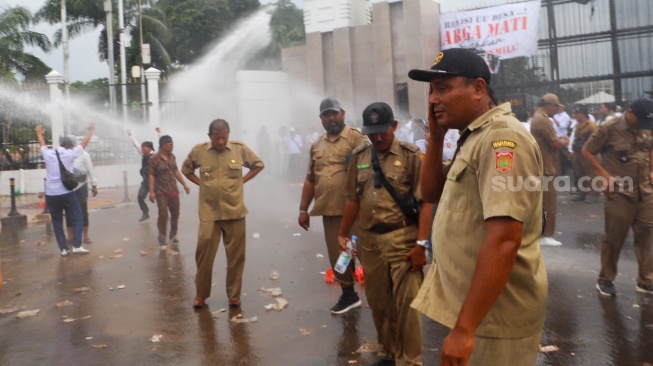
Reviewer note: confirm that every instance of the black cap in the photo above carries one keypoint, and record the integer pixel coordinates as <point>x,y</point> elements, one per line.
<point>643,110</point>
<point>454,62</point>
<point>330,104</point>
<point>582,109</point>
<point>377,118</point>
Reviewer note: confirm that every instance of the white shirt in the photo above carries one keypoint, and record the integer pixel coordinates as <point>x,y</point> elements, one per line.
<point>293,143</point>
<point>84,165</point>
<point>450,144</point>
<point>53,184</point>
<point>562,127</point>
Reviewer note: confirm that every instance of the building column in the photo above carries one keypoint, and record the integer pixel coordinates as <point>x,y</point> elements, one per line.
<point>55,80</point>
<point>153,76</point>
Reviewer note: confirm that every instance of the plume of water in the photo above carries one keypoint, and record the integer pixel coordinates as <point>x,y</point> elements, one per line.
<point>206,90</point>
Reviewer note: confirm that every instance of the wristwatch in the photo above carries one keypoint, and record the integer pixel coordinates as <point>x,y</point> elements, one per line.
<point>422,243</point>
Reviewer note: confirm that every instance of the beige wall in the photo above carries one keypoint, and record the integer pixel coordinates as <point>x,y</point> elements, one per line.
<point>363,64</point>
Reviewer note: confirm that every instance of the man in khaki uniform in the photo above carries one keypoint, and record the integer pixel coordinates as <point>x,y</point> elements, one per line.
<point>584,172</point>
<point>625,145</point>
<point>388,249</point>
<point>487,281</point>
<point>221,207</point>
<point>550,144</point>
<point>326,174</point>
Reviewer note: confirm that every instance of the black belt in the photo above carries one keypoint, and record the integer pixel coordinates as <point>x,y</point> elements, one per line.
<point>386,228</point>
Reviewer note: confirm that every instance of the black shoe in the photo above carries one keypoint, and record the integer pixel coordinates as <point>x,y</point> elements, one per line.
<point>144,217</point>
<point>381,362</point>
<point>646,289</point>
<point>346,302</point>
<point>606,288</point>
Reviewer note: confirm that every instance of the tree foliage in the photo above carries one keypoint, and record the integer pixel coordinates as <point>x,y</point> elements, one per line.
<point>14,35</point>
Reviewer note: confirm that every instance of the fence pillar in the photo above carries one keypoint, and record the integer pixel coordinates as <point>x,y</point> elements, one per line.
<point>55,79</point>
<point>153,76</point>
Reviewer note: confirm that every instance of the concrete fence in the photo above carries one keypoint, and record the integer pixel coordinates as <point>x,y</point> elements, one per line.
<point>31,181</point>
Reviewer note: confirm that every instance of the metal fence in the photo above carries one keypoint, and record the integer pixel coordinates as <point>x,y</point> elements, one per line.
<point>608,49</point>
<point>27,155</point>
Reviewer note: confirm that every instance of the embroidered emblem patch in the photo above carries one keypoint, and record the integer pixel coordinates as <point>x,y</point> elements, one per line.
<point>504,143</point>
<point>504,161</point>
<point>438,58</point>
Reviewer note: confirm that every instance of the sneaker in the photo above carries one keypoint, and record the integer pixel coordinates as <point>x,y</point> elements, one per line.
<point>144,217</point>
<point>234,303</point>
<point>548,241</point>
<point>592,199</point>
<point>162,244</point>
<point>80,250</point>
<point>645,289</point>
<point>64,252</point>
<point>346,303</point>
<point>607,288</point>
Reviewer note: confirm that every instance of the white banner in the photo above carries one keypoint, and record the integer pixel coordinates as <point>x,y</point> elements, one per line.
<point>504,31</point>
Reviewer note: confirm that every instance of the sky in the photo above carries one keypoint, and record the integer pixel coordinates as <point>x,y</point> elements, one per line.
<point>84,61</point>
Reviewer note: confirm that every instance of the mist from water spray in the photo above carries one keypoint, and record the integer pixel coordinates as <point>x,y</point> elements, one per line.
<point>207,89</point>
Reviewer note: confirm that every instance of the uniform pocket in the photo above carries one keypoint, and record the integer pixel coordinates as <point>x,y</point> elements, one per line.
<point>455,192</point>
<point>205,173</point>
<point>235,171</point>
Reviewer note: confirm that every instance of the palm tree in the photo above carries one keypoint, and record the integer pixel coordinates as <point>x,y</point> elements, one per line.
<point>84,16</point>
<point>14,35</point>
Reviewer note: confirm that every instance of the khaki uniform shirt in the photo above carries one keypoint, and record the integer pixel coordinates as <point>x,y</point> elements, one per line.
<point>625,153</point>
<point>165,182</point>
<point>221,179</point>
<point>582,134</point>
<point>401,165</point>
<point>496,154</point>
<point>327,169</point>
<point>544,133</point>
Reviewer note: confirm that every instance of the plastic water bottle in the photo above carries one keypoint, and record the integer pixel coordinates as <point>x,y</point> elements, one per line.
<point>345,256</point>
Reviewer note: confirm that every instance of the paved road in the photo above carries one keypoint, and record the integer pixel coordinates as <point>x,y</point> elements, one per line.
<point>113,326</point>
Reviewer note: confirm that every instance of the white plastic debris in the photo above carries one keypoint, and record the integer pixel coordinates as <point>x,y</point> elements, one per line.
<point>8,310</point>
<point>89,338</point>
<point>274,291</point>
<point>156,338</point>
<point>119,250</point>
<point>99,345</point>
<point>64,303</point>
<point>297,234</point>
<point>369,347</point>
<point>280,305</point>
<point>121,286</point>
<point>28,313</point>
<point>274,275</point>
<point>319,255</point>
<point>239,319</point>
<point>256,235</point>
<point>81,289</point>
<point>550,348</point>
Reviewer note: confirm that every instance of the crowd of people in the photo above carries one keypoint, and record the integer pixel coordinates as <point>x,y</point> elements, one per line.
<point>410,192</point>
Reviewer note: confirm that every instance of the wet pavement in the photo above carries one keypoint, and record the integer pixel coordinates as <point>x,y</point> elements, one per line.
<point>104,324</point>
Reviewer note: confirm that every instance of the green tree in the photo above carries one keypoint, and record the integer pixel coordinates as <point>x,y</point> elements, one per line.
<point>14,35</point>
<point>196,24</point>
<point>84,16</point>
<point>287,30</point>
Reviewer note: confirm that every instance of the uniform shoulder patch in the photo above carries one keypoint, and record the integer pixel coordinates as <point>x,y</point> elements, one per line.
<point>360,148</point>
<point>504,143</point>
<point>409,146</point>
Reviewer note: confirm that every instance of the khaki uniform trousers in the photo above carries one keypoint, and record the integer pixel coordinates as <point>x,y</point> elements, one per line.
<point>505,351</point>
<point>390,288</point>
<point>331,226</point>
<point>583,169</point>
<point>208,240</point>
<point>622,213</point>
<point>550,203</point>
